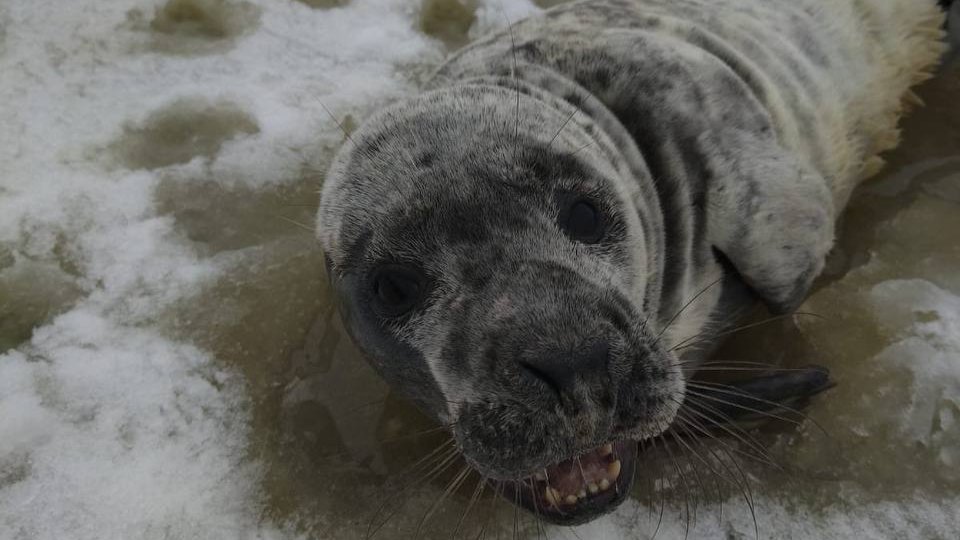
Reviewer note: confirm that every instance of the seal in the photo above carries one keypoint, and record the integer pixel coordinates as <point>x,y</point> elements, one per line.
<point>525,248</point>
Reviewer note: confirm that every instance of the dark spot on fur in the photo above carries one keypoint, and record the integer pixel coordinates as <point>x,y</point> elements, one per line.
<point>602,77</point>
<point>529,51</point>
<point>371,145</point>
<point>425,160</point>
<point>574,99</point>
<point>355,250</point>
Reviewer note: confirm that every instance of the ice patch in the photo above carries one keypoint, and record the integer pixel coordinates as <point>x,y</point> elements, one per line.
<point>928,356</point>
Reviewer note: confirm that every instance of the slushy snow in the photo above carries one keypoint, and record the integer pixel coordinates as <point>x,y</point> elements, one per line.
<point>109,426</point>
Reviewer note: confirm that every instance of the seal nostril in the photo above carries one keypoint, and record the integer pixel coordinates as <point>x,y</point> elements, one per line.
<point>563,372</point>
<point>542,375</point>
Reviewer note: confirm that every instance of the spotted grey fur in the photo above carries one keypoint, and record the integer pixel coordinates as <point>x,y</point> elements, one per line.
<point>719,138</point>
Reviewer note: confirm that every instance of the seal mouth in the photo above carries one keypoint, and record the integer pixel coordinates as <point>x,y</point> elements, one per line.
<point>580,488</point>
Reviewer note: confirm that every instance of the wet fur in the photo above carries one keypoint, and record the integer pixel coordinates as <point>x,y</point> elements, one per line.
<point>724,137</point>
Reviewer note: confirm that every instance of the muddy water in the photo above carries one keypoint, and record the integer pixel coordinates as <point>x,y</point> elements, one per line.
<point>336,443</point>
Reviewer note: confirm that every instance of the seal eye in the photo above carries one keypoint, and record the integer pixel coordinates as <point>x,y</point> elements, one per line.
<point>397,288</point>
<point>582,222</point>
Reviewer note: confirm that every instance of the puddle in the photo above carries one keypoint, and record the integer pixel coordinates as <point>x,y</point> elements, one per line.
<point>324,4</point>
<point>181,131</point>
<point>32,293</point>
<point>221,218</point>
<point>448,20</point>
<point>195,27</point>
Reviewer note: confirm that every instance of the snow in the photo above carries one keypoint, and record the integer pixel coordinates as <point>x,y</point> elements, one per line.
<point>111,425</point>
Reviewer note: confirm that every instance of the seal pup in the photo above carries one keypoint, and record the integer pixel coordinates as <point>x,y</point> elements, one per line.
<point>523,248</point>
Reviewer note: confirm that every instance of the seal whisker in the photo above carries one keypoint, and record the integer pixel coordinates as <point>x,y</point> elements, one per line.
<point>728,426</point>
<point>574,533</point>
<point>536,509</point>
<point>684,422</point>
<point>688,343</point>
<point>335,121</point>
<point>719,389</point>
<point>583,476</point>
<point>690,422</point>
<point>563,125</point>
<point>717,476</point>
<point>745,492</point>
<point>584,147</point>
<point>685,306</point>
<point>451,487</point>
<point>477,494</point>
<point>727,448</point>
<point>734,391</point>
<point>747,496</point>
<point>553,502</point>
<point>743,483</point>
<point>663,496</point>
<point>769,369</point>
<point>684,464</point>
<point>497,488</point>
<point>733,363</point>
<point>683,483</point>
<point>685,451</point>
<point>296,223</point>
<point>649,479</point>
<point>444,464</point>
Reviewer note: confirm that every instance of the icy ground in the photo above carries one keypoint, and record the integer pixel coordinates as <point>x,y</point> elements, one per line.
<point>159,297</point>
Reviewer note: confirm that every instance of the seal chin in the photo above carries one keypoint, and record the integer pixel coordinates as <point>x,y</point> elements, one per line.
<point>578,489</point>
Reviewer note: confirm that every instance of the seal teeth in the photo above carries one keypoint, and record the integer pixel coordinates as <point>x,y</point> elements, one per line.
<point>578,479</point>
<point>613,469</point>
<point>551,495</point>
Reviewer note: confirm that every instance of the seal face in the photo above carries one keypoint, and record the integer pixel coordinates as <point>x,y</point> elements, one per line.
<point>500,277</point>
<point>521,249</point>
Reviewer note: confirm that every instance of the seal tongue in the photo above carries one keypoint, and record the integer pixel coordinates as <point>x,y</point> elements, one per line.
<point>577,478</point>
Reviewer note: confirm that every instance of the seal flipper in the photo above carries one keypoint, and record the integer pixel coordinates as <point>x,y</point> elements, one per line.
<point>773,219</point>
<point>781,393</point>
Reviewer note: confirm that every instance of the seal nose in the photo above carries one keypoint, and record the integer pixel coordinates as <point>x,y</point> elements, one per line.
<point>565,372</point>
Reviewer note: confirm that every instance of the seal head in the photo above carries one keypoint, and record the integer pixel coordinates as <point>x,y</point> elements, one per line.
<point>495,271</point>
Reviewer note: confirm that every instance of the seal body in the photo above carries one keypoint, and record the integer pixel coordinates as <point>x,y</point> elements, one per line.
<point>525,248</point>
